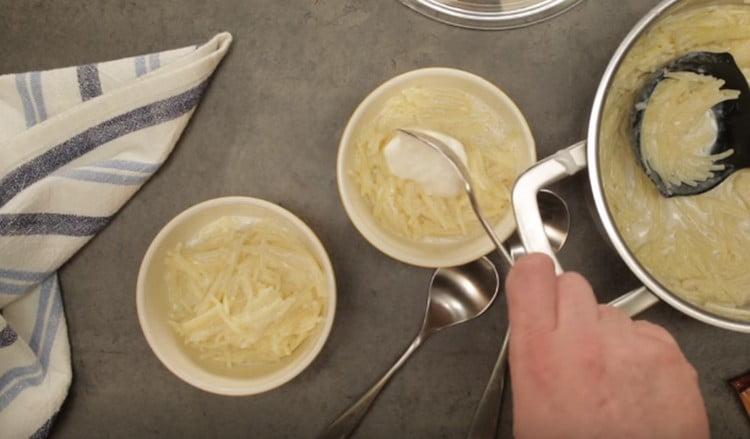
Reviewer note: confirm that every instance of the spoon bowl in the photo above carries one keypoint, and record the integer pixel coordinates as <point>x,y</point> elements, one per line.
<point>460,294</point>
<point>732,119</point>
<point>556,220</point>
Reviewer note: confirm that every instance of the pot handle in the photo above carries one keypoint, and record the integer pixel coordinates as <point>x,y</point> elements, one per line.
<point>558,166</point>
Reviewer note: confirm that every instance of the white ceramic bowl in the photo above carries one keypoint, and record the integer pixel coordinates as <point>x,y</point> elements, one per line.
<point>443,254</point>
<point>153,304</point>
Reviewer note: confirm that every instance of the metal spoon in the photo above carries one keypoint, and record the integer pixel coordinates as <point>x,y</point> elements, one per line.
<point>732,118</point>
<point>456,295</point>
<point>486,417</point>
<point>458,165</point>
<point>556,219</point>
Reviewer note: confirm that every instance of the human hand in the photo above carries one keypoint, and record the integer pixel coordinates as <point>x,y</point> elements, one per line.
<point>583,370</point>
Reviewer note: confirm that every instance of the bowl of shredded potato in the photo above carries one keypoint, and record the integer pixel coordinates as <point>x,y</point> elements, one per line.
<point>236,296</point>
<point>401,206</point>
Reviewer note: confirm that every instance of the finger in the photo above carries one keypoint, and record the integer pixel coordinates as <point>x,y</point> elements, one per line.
<point>531,292</point>
<point>610,314</point>
<point>654,331</point>
<point>576,303</point>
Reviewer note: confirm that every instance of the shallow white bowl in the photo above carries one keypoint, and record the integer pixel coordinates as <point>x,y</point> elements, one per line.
<point>153,304</point>
<point>443,254</point>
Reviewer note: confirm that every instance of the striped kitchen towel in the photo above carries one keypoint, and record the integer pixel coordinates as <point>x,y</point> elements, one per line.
<point>75,144</point>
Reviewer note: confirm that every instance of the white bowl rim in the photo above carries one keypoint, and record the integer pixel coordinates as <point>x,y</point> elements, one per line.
<point>251,386</point>
<point>484,246</point>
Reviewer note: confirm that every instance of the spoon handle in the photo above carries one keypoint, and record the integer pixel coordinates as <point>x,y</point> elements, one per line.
<point>484,424</point>
<point>349,420</point>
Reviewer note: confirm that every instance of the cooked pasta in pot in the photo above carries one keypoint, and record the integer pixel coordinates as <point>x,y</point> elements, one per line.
<point>696,246</point>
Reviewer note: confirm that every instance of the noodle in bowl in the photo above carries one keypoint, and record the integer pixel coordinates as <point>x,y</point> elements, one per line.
<point>261,357</point>
<point>393,214</point>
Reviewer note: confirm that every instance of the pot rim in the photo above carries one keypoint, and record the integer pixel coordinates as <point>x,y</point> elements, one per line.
<point>491,17</point>
<point>605,215</point>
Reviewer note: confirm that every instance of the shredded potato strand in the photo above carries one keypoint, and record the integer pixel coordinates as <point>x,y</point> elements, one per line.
<point>244,294</point>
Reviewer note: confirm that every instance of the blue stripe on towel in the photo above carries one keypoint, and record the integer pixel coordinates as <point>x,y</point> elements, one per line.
<point>59,155</point>
<point>7,336</point>
<point>43,431</point>
<point>36,92</point>
<point>88,81</point>
<point>13,289</point>
<point>33,374</point>
<point>103,177</point>
<point>153,62</point>
<point>140,65</point>
<point>50,224</point>
<point>128,165</point>
<point>23,275</point>
<point>41,311</point>
<point>23,92</point>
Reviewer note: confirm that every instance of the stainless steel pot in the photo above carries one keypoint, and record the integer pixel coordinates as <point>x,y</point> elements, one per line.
<point>573,159</point>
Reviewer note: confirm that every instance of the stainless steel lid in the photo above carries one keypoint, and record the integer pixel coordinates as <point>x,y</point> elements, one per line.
<point>491,14</point>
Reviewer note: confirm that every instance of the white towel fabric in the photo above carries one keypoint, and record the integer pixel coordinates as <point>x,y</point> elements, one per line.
<point>75,144</point>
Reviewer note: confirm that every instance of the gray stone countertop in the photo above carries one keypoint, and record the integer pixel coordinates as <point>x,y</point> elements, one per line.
<point>269,127</point>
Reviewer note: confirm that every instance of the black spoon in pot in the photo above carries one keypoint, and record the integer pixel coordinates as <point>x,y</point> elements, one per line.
<point>732,119</point>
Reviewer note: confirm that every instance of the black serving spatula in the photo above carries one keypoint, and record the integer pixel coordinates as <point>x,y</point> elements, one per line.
<point>732,118</point>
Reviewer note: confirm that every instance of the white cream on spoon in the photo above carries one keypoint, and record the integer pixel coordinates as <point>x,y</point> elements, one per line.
<point>409,159</point>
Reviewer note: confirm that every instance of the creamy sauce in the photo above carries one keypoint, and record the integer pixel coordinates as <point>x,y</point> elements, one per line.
<point>410,159</point>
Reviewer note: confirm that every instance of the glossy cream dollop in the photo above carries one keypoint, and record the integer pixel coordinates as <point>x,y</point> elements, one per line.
<point>410,159</point>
